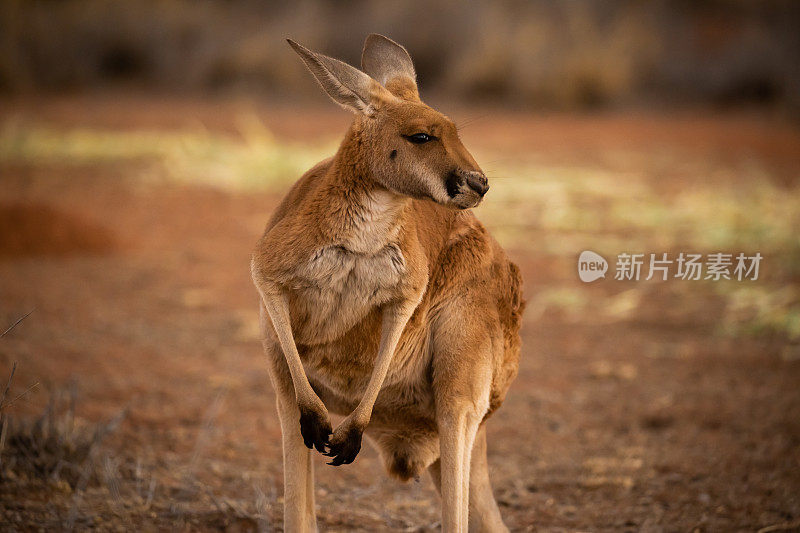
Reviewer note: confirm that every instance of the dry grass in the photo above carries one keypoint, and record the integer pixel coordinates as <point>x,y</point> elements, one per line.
<point>59,453</point>
<point>52,446</point>
<point>253,159</point>
<point>56,450</point>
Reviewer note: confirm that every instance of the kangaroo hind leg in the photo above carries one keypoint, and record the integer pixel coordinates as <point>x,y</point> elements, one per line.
<point>484,514</point>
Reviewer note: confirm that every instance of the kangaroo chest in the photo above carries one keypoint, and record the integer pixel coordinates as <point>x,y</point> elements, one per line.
<point>338,287</point>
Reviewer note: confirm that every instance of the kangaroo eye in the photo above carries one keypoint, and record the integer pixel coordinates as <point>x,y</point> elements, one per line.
<point>419,138</point>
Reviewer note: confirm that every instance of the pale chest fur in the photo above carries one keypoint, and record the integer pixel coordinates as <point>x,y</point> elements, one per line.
<point>342,282</point>
<point>338,287</point>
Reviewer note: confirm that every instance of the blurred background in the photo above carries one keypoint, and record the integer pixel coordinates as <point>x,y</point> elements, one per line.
<point>547,55</point>
<point>144,144</point>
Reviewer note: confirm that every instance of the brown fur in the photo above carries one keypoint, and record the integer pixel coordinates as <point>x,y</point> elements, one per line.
<point>371,240</point>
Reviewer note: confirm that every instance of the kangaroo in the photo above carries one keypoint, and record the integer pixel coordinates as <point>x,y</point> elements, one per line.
<point>385,300</point>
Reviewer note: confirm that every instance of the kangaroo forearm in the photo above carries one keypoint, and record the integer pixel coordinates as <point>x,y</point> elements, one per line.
<point>278,311</point>
<point>394,323</point>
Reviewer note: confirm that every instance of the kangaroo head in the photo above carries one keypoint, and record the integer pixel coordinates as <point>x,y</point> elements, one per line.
<point>408,147</point>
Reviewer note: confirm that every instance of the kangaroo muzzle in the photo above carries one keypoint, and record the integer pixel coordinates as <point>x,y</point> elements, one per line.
<point>477,182</point>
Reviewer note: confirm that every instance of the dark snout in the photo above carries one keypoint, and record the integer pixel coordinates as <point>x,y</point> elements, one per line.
<point>477,182</point>
<point>474,180</point>
<point>466,188</point>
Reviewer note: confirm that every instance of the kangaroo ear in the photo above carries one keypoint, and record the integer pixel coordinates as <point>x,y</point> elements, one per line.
<point>389,64</point>
<point>346,85</point>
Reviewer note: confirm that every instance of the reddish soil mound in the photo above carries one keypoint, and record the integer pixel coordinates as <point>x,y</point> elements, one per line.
<point>40,229</point>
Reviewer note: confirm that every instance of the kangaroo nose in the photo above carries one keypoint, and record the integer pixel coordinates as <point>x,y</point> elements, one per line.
<point>478,182</point>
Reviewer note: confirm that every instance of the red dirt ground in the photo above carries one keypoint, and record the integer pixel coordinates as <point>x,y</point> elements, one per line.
<point>143,299</point>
